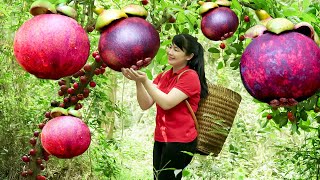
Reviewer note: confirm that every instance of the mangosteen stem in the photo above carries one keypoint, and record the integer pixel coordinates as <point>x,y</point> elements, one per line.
<point>33,165</point>
<point>89,75</point>
<point>90,20</point>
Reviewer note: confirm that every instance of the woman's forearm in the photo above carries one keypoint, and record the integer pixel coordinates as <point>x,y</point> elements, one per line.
<point>165,101</point>
<point>144,99</point>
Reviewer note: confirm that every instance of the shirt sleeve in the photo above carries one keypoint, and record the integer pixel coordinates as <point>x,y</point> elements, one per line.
<point>189,83</point>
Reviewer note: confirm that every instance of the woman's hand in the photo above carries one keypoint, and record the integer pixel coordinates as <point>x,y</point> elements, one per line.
<point>137,76</point>
<point>126,73</point>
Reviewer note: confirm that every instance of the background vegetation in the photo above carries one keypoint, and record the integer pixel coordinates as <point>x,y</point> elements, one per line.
<point>123,134</point>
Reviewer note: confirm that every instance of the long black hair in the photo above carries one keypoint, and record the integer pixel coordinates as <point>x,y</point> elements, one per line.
<point>189,45</point>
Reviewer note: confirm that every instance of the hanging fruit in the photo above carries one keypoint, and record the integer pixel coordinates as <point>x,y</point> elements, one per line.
<point>126,38</point>
<point>51,46</point>
<point>218,21</point>
<point>281,66</point>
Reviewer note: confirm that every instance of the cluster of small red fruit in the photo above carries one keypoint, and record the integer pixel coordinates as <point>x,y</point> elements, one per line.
<point>78,91</point>
<point>72,95</point>
<point>290,116</point>
<point>35,159</point>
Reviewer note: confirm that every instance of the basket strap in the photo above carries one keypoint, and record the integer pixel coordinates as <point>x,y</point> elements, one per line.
<point>189,106</point>
<point>193,115</point>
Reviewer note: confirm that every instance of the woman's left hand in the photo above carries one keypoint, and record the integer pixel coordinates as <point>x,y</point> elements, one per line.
<point>137,76</point>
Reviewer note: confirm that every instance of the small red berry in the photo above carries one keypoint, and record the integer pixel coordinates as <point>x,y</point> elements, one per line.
<point>33,152</point>
<point>97,71</point>
<point>62,105</point>
<point>60,93</point>
<point>41,125</point>
<point>74,99</point>
<point>290,116</point>
<point>24,173</point>
<point>97,58</point>
<point>241,38</point>
<point>62,82</point>
<point>172,19</point>
<point>83,79</point>
<point>70,91</point>
<point>222,46</point>
<point>64,88</point>
<point>78,106</point>
<point>102,70</point>
<point>269,116</point>
<point>104,65</point>
<point>42,167</point>
<point>66,100</point>
<point>47,115</point>
<point>95,53</point>
<point>92,84</point>
<point>46,158</point>
<point>75,85</point>
<point>246,18</point>
<point>144,2</point>
<point>39,161</point>
<point>30,172</point>
<point>87,67</point>
<point>36,133</point>
<point>89,28</point>
<point>33,141</point>
<point>25,158</point>
<point>40,177</point>
<point>86,92</point>
<point>80,96</point>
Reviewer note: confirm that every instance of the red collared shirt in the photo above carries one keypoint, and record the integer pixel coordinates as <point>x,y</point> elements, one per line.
<point>177,124</point>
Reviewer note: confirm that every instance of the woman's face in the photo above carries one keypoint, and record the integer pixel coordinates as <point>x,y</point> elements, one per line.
<point>176,56</point>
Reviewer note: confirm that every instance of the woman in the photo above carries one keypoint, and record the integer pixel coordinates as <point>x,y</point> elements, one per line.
<point>175,131</point>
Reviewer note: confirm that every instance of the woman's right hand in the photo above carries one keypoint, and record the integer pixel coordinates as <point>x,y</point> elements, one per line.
<point>141,63</point>
<point>126,73</point>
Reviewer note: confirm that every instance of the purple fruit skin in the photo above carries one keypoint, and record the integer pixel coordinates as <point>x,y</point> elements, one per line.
<point>126,41</point>
<point>219,21</point>
<point>281,66</point>
<point>51,46</point>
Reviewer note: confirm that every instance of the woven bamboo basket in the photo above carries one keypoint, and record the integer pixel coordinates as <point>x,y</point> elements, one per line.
<point>215,117</point>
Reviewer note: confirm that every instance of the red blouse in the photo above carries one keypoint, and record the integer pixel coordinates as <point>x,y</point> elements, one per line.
<point>177,124</point>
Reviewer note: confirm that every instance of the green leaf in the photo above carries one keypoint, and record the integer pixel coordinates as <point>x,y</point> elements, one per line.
<point>235,63</point>
<point>149,74</point>
<point>236,5</point>
<point>294,128</point>
<point>231,50</point>
<point>309,17</point>
<point>283,121</point>
<point>303,115</point>
<point>160,57</point>
<point>318,102</point>
<point>290,12</point>
<point>310,10</point>
<point>220,65</point>
<point>265,124</point>
<point>214,50</point>
<point>185,173</point>
<point>305,4</point>
<point>189,153</point>
<point>305,128</point>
